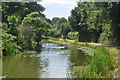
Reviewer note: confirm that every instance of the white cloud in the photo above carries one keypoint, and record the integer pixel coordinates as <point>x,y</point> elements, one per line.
<point>59,2</point>
<point>62,3</point>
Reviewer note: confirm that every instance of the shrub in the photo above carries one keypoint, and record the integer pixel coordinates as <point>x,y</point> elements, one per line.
<point>54,33</point>
<point>9,45</point>
<point>73,35</point>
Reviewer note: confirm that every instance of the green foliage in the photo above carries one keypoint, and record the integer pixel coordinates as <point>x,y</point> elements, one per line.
<point>65,29</point>
<point>54,39</point>
<point>101,63</point>
<point>95,22</point>
<point>55,20</point>
<point>54,33</point>
<point>73,35</point>
<point>39,25</point>
<point>33,28</point>
<point>8,44</point>
<point>13,23</point>
<point>20,8</point>
<point>61,20</point>
<point>23,27</point>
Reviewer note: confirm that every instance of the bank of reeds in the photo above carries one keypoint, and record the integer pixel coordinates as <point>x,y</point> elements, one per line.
<point>100,66</point>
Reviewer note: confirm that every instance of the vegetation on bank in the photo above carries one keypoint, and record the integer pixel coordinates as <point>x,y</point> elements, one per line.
<point>102,64</point>
<point>90,22</point>
<point>23,26</point>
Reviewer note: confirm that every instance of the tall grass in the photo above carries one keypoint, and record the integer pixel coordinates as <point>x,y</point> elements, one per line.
<point>100,66</point>
<point>101,61</point>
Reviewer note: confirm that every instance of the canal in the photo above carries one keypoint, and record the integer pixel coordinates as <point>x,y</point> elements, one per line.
<point>52,61</point>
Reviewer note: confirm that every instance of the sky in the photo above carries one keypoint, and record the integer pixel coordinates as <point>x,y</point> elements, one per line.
<point>58,8</point>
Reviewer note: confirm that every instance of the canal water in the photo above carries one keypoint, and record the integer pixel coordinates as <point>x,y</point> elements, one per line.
<point>52,61</point>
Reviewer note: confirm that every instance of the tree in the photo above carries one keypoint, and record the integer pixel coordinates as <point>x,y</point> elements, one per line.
<point>39,25</point>
<point>21,9</point>
<point>65,29</point>
<point>13,24</point>
<point>78,21</point>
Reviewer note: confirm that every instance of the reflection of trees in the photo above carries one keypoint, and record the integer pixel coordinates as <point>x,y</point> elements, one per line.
<point>77,57</point>
<point>21,67</point>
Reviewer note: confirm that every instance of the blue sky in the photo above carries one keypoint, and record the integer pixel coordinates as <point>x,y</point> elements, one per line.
<point>58,8</point>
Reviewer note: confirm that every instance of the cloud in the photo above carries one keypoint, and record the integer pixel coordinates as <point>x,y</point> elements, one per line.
<point>62,3</point>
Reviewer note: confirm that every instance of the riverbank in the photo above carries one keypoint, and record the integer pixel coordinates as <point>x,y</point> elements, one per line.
<point>113,50</point>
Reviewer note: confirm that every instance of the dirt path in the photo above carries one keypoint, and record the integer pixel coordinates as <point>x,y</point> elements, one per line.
<point>117,47</point>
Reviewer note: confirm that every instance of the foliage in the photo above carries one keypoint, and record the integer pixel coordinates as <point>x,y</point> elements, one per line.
<point>8,44</point>
<point>100,65</point>
<point>101,61</point>
<point>20,8</point>
<point>39,25</point>
<point>95,22</point>
<point>13,24</point>
<point>54,33</point>
<point>23,26</point>
<point>73,35</point>
<point>65,29</point>
<point>62,25</point>
<point>33,28</point>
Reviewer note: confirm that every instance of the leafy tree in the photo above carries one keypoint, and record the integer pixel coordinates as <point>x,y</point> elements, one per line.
<point>115,26</point>
<point>8,43</point>
<point>78,21</point>
<point>94,21</point>
<point>65,29</point>
<point>55,20</point>
<point>54,33</point>
<point>13,24</point>
<point>39,25</point>
<point>20,8</point>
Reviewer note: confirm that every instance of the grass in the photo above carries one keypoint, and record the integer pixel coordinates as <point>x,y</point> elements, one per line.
<point>100,66</point>
<point>55,39</point>
<point>102,63</point>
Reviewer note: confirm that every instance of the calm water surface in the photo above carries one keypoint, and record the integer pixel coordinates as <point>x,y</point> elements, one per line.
<point>53,61</point>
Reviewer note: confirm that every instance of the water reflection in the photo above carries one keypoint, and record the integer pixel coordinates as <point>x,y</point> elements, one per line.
<point>53,61</point>
<point>21,67</point>
<point>77,57</point>
<point>57,60</point>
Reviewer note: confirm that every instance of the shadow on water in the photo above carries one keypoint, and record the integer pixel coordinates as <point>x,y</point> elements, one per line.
<point>52,61</point>
<point>77,57</point>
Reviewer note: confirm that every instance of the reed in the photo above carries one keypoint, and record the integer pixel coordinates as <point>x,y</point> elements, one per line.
<point>100,66</point>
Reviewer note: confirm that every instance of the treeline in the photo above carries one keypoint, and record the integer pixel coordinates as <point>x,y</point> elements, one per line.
<point>23,26</point>
<point>92,22</point>
<point>60,27</point>
<point>97,21</point>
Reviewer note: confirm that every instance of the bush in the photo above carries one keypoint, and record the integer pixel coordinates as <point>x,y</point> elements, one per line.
<point>9,45</point>
<point>54,33</point>
<point>73,35</point>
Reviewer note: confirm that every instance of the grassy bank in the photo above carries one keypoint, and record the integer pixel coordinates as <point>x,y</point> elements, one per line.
<point>103,63</point>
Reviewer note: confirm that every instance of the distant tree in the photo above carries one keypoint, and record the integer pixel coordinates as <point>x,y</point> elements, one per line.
<point>65,29</point>
<point>55,20</point>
